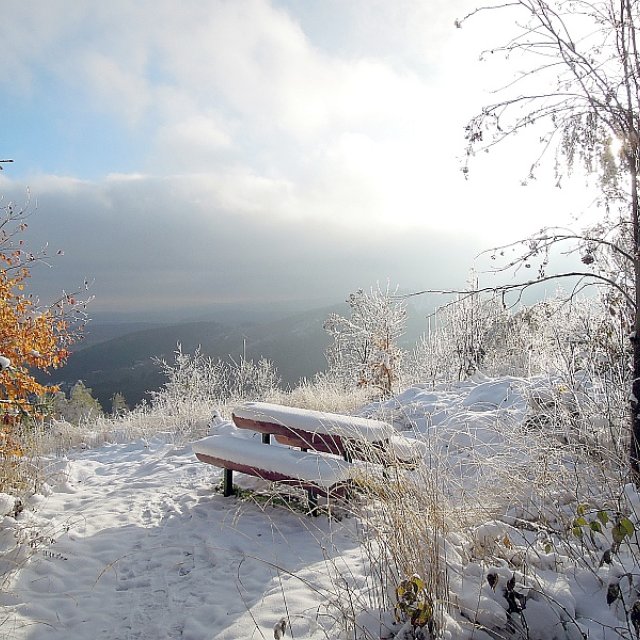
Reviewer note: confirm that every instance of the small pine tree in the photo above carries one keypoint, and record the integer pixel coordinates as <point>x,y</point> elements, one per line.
<point>80,407</point>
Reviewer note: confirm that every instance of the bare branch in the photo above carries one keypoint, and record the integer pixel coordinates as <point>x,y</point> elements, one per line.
<point>522,286</point>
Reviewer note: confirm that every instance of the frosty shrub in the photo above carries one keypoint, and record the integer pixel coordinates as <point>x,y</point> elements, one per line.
<point>405,522</point>
<point>80,407</point>
<point>324,393</point>
<point>462,338</point>
<point>365,352</point>
<point>197,385</point>
<point>190,377</point>
<point>249,380</point>
<point>478,332</point>
<point>475,332</point>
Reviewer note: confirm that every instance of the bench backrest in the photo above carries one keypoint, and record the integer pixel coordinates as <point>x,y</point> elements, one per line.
<point>313,422</point>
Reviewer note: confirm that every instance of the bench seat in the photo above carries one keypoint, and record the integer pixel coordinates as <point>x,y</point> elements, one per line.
<point>310,470</point>
<point>406,452</point>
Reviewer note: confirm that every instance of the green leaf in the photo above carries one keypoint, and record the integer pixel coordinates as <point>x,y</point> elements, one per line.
<point>618,534</point>
<point>577,532</point>
<point>418,581</point>
<point>580,522</point>
<point>582,509</point>
<point>595,526</point>
<point>603,516</point>
<point>422,615</point>
<point>624,528</point>
<point>627,526</point>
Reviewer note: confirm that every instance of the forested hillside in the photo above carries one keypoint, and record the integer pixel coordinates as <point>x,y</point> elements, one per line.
<point>126,364</point>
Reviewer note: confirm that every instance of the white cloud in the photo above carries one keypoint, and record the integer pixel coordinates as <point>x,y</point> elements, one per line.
<point>146,238</point>
<point>117,88</point>
<point>193,143</point>
<point>333,140</point>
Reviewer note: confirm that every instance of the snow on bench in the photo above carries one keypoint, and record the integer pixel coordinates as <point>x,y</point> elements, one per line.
<point>348,436</point>
<point>318,474</point>
<point>405,452</point>
<point>324,433</point>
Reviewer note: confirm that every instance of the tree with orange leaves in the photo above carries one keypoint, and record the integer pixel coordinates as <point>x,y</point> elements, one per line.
<point>32,336</point>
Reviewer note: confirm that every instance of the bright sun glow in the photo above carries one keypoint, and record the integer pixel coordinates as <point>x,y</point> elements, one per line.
<point>615,146</point>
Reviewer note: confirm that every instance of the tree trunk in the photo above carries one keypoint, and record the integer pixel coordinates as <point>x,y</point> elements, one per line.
<point>634,452</point>
<point>631,130</point>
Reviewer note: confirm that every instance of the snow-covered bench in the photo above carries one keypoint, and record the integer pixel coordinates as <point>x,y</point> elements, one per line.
<point>315,434</point>
<point>348,436</point>
<point>318,474</point>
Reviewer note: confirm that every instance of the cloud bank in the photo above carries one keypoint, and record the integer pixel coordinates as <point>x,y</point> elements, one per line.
<point>149,243</point>
<point>186,153</point>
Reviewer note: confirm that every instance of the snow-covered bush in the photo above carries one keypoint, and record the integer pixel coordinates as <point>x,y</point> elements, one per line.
<point>249,380</point>
<point>365,352</point>
<point>577,346</point>
<point>464,336</point>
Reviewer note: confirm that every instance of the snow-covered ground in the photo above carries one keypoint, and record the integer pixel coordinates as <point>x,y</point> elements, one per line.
<point>135,541</point>
<point>145,548</point>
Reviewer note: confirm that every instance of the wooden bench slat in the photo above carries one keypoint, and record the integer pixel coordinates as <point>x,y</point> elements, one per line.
<point>308,467</point>
<point>338,490</point>
<point>317,422</point>
<point>395,449</point>
<point>294,437</point>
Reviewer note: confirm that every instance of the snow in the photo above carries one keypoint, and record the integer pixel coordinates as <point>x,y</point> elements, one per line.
<point>406,449</point>
<point>316,421</point>
<point>145,548</point>
<point>324,471</point>
<point>7,504</point>
<point>133,540</point>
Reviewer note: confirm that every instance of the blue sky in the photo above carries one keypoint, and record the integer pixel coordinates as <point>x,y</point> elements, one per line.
<point>189,153</point>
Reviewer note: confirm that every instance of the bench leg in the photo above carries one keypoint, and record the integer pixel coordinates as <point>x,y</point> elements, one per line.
<point>266,438</point>
<point>227,482</point>
<point>313,502</point>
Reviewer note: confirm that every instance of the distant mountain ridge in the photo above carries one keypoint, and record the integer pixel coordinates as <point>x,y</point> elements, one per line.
<point>120,357</point>
<point>125,363</point>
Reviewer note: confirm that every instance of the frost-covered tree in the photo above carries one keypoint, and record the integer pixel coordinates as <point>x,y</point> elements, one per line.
<point>119,406</point>
<point>578,85</point>
<point>195,380</point>
<point>464,336</point>
<point>249,380</point>
<point>365,350</point>
<point>79,407</point>
<point>190,377</point>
